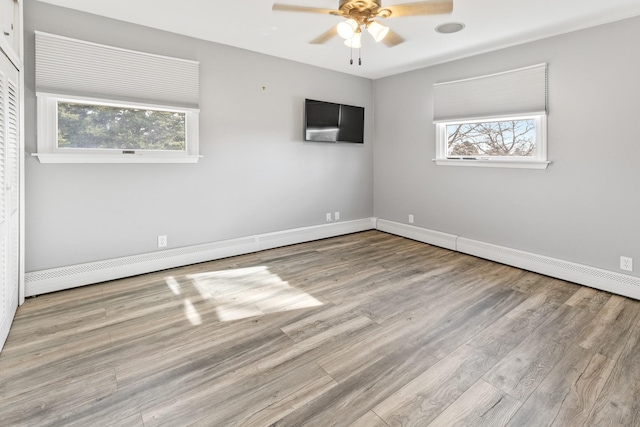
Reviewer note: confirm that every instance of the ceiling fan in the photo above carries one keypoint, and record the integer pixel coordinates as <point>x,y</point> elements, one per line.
<point>360,14</point>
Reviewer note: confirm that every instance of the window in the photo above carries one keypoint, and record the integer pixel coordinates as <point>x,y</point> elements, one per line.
<point>508,139</point>
<point>497,120</point>
<point>101,104</point>
<point>98,131</point>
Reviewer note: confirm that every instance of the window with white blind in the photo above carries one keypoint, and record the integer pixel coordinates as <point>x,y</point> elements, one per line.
<point>101,104</point>
<point>497,120</point>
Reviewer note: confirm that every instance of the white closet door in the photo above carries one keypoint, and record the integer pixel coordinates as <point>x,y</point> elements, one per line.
<point>9,194</point>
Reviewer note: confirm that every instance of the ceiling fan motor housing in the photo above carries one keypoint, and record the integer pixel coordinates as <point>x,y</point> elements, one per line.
<point>361,5</point>
<point>363,10</point>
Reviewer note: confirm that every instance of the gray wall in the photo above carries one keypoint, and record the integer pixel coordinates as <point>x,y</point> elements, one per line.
<point>584,208</point>
<point>257,175</point>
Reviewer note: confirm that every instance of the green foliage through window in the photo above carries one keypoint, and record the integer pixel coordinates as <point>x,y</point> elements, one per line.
<point>86,126</point>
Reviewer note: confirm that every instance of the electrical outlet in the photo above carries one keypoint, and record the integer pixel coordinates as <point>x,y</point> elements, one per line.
<point>410,219</point>
<point>162,241</point>
<point>336,215</point>
<point>626,263</point>
<point>329,217</point>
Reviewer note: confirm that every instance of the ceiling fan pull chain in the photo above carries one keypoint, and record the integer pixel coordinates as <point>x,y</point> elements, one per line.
<point>351,60</point>
<point>359,57</point>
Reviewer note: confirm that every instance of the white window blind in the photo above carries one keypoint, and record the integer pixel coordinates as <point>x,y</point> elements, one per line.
<point>515,92</point>
<point>66,66</point>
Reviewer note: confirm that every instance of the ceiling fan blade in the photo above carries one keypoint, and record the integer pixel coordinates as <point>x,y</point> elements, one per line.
<point>435,7</point>
<point>325,37</point>
<point>392,39</point>
<point>293,8</point>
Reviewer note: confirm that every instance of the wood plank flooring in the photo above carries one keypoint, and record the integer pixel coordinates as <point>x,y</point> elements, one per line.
<point>368,329</point>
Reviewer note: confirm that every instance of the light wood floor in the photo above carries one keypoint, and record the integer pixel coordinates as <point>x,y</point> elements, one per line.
<point>367,330</point>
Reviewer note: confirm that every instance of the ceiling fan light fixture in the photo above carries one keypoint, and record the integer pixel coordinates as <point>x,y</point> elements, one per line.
<point>355,41</point>
<point>347,28</point>
<point>377,30</point>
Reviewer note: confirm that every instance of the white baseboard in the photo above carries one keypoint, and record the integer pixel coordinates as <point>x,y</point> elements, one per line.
<point>610,281</point>
<point>436,238</point>
<point>308,234</point>
<point>593,277</point>
<point>44,281</point>
<point>56,279</point>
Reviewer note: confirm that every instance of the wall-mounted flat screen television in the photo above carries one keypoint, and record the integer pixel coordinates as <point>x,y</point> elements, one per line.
<point>329,122</point>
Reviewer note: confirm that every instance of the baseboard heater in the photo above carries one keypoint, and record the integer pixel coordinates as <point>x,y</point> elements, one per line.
<point>56,279</point>
<point>45,281</point>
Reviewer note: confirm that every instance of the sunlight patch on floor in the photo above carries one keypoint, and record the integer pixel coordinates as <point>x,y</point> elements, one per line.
<point>192,313</point>
<point>247,292</point>
<point>173,284</point>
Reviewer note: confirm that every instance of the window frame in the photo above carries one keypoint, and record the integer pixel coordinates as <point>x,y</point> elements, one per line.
<point>49,152</point>
<point>538,161</point>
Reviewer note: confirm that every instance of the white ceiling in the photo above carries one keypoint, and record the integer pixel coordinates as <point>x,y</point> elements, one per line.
<point>252,25</point>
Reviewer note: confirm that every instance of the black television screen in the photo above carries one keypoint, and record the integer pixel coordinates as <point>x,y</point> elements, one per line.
<point>330,122</point>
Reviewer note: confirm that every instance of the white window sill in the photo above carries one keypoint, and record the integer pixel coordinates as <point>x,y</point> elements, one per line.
<point>494,163</point>
<point>114,158</point>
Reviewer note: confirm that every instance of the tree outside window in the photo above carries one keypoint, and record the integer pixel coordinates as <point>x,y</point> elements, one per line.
<point>492,139</point>
<point>87,126</point>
